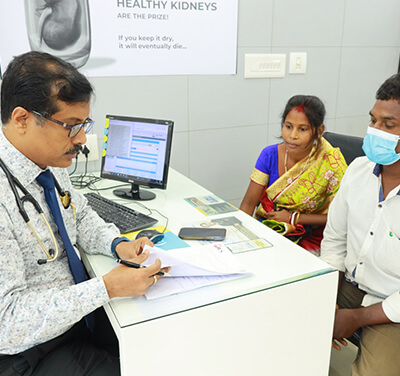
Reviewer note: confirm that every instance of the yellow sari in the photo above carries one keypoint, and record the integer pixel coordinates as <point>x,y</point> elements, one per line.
<point>308,187</point>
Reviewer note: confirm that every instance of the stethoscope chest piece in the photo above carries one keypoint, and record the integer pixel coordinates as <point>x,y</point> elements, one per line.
<point>65,199</point>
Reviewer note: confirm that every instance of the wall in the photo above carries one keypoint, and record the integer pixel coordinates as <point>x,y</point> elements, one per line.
<point>223,122</point>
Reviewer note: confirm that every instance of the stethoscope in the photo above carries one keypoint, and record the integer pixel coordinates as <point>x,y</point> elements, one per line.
<point>65,196</point>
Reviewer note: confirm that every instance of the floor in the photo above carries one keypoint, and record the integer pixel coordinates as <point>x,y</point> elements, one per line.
<point>341,360</point>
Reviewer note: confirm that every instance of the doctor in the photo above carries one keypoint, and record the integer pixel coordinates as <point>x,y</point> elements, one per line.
<point>362,240</point>
<point>45,109</point>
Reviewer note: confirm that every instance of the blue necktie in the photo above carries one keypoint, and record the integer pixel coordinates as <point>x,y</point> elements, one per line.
<point>45,179</point>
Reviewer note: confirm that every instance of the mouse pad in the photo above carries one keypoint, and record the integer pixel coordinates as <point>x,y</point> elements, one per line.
<point>170,241</point>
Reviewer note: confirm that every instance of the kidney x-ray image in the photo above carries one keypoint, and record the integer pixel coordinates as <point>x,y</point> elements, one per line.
<point>60,27</point>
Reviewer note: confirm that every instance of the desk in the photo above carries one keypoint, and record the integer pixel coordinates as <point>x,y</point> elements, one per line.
<point>276,322</point>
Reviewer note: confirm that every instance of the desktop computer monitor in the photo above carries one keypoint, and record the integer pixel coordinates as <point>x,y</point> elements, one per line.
<point>136,151</point>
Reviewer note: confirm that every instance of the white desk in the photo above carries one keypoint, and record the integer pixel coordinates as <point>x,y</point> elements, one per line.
<point>276,322</point>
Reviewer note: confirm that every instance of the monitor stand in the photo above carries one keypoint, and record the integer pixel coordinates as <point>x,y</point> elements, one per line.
<point>134,193</point>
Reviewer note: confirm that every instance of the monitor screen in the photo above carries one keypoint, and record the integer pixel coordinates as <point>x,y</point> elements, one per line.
<point>136,151</point>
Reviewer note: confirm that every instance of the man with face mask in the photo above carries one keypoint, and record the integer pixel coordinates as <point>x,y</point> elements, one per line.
<point>362,240</point>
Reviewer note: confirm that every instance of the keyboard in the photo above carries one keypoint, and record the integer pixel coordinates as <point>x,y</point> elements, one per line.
<point>126,219</point>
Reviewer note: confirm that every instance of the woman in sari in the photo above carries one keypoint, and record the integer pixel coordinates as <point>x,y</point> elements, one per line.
<point>294,182</point>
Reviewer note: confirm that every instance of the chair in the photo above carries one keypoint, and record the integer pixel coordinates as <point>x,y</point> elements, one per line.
<point>350,146</point>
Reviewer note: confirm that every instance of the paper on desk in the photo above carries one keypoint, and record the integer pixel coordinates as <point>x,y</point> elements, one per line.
<point>194,267</point>
<point>212,259</point>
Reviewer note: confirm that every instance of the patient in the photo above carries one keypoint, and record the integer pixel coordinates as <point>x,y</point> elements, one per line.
<point>294,182</point>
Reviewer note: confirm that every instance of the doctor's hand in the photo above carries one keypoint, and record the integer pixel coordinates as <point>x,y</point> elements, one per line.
<point>128,250</point>
<point>124,281</point>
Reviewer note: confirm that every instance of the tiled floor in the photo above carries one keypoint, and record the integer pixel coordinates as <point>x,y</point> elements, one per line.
<point>341,360</point>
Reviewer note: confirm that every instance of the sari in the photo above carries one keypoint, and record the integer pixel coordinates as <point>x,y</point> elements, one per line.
<point>308,187</point>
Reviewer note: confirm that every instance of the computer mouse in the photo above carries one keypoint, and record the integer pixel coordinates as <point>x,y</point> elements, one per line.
<point>153,235</point>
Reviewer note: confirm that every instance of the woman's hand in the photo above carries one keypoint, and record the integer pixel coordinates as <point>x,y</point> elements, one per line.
<point>252,198</point>
<point>303,219</point>
<point>279,216</point>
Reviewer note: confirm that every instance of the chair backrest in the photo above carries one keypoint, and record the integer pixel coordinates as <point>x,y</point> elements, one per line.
<point>350,146</point>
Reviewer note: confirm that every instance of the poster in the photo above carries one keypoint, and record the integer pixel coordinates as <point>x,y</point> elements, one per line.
<point>125,37</point>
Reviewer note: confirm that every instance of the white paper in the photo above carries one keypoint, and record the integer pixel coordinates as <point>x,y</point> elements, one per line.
<point>171,285</point>
<point>204,260</point>
<point>194,267</point>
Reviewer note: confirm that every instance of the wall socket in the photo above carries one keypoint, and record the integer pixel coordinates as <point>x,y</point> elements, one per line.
<point>93,146</point>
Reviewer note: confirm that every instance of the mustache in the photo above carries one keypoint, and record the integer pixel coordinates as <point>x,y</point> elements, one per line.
<point>75,150</point>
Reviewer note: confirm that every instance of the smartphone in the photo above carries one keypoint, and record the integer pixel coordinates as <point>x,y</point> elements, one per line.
<point>199,233</point>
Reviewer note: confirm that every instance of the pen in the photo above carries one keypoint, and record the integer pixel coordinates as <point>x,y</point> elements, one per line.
<point>138,266</point>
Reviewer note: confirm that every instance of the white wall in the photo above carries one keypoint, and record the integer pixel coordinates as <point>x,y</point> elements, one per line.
<point>223,122</point>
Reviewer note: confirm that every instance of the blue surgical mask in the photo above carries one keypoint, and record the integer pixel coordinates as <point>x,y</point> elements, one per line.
<point>380,146</point>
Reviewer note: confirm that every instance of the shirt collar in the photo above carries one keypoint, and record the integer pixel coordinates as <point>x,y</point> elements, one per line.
<point>20,166</point>
<point>377,171</point>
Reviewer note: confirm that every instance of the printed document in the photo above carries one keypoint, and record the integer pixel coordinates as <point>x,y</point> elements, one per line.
<point>194,267</point>
<point>239,238</point>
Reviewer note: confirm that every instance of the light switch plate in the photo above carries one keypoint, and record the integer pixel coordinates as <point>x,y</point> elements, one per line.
<point>264,65</point>
<point>298,63</point>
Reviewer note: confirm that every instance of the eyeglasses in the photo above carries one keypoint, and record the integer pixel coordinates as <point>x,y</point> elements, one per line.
<point>73,129</point>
